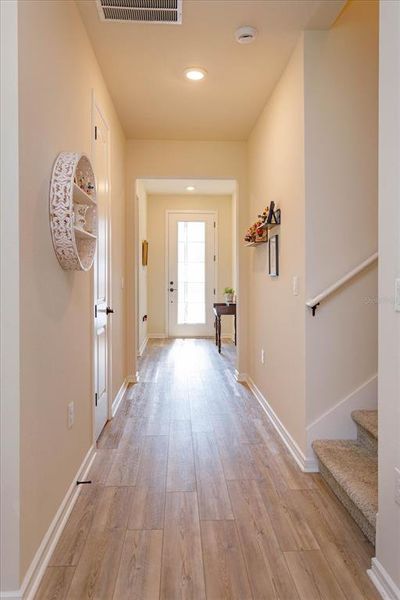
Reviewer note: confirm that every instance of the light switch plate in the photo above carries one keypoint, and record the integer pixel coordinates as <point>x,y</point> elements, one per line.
<point>295,285</point>
<point>71,414</point>
<point>397,294</point>
<point>397,486</point>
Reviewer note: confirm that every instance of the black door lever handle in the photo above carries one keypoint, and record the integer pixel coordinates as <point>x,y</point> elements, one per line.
<point>109,310</point>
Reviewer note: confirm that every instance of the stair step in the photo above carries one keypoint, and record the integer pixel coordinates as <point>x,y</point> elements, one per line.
<point>368,420</point>
<point>367,428</point>
<point>352,472</point>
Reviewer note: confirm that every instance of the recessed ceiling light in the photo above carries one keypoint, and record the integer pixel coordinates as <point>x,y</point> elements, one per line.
<point>195,73</point>
<point>190,188</point>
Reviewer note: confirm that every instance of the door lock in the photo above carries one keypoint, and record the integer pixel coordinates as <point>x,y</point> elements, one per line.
<point>173,289</point>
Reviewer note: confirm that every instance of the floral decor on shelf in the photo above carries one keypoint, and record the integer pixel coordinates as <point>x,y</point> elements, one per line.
<point>257,233</point>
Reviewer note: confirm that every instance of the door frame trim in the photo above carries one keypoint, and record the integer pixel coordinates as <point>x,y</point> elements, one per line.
<point>96,106</point>
<point>10,379</point>
<point>216,251</point>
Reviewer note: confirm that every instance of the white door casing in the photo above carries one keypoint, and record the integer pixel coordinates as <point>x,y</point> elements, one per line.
<point>101,290</point>
<point>190,273</point>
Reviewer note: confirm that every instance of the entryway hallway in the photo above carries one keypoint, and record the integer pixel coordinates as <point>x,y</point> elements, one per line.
<point>193,495</point>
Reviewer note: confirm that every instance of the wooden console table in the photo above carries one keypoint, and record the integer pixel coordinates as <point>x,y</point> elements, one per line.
<point>221,308</point>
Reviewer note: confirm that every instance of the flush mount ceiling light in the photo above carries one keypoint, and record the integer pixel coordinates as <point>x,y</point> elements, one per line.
<point>195,73</point>
<point>190,188</point>
<point>245,35</point>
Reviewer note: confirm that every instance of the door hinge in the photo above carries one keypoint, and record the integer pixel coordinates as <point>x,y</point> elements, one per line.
<point>95,311</point>
<point>215,224</point>
<point>95,132</point>
<point>215,258</point>
<point>95,399</point>
<point>214,291</point>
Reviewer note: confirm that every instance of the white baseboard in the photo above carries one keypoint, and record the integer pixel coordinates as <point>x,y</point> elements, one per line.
<point>382,581</point>
<point>133,378</point>
<point>119,396</point>
<point>13,595</point>
<point>157,336</point>
<point>43,554</point>
<point>240,377</point>
<point>336,423</point>
<point>143,346</point>
<point>306,464</point>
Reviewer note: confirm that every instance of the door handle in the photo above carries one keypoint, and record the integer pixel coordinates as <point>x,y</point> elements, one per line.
<point>109,310</point>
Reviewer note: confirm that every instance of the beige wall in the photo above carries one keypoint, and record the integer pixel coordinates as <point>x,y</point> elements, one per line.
<point>141,207</point>
<point>147,159</point>
<point>58,72</point>
<point>341,162</point>
<point>157,207</point>
<point>276,317</point>
<point>388,522</point>
<point>313,151</point>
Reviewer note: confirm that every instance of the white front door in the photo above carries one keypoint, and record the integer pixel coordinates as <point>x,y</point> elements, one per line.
<point>101,300</point>
<point>191,274</point>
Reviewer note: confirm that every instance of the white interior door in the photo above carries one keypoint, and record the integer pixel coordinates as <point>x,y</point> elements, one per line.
<point>101,270</point>
<point>191,274</point>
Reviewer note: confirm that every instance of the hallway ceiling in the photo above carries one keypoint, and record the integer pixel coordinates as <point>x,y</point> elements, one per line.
<point>202,187</point>
<point>143,64</point>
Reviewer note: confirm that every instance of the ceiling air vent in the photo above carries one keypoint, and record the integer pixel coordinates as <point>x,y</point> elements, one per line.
<point>141,11</point>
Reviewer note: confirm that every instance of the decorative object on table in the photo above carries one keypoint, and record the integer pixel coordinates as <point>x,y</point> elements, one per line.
<point>273,256</point>
<point>73,211</point>
<point>145,252</point>
<point>228,294</point>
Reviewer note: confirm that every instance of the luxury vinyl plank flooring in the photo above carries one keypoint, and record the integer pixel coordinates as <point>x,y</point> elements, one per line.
<point>139,573</point>
<point>194,496</point>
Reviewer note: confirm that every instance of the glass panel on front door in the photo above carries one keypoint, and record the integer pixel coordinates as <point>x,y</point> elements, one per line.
<point>191,272</point>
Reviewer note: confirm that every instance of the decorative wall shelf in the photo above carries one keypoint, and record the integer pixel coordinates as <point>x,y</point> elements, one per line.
<point>273,218</point>
<point>270,218</point>
<point>73,211</point>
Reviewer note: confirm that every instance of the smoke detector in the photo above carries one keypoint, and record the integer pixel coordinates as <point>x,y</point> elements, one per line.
<point>245,35</point>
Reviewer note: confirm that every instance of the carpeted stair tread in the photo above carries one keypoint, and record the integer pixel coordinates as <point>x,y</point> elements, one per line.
<point>368,420</point>
<point>355,470</point>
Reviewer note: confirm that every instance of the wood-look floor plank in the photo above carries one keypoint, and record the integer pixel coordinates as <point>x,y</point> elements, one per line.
<point>153,463</point>
<point>345,529</point>
<point>113,506</point>
<point>125,465</point>
<point>268,572</point>
<point>212,492</point>
<point>313,577</point>
<point>140,569</point>
<point>147,508</point>
<point>70,545</point>
<point>224,567</point>
<point>182,563</point>
<point>101,465</point>
<point>292,533</point>
<point>238,459</point>
<point>55,583</point>
<point>96,573</point>
<point>354,581</point>
<point>181,474</point>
